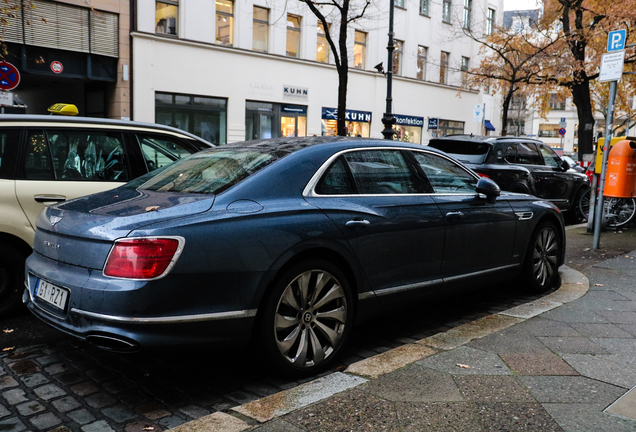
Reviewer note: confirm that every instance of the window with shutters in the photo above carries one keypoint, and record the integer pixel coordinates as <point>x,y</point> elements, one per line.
<point>64,27</point>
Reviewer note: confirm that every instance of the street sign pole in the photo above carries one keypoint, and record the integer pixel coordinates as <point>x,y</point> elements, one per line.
<point>606,149</point>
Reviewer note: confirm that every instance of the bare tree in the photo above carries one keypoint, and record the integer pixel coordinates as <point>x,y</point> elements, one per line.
<point>346,12</point>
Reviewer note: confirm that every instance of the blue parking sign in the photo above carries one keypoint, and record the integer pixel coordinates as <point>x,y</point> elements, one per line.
<point>616,40</point>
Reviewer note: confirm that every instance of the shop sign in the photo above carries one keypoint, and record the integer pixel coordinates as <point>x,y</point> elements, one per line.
<point>260,88</point>
<point>296,109</point>
<point>295,92</point>
<point>403,120</point>
<point>350,115</point>
<point>433,123</point>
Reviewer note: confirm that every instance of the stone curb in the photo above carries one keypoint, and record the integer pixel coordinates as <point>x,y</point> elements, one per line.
<point>573,286</point>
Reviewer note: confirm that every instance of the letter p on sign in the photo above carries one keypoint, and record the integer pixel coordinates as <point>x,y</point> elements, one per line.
<point>616,40</point>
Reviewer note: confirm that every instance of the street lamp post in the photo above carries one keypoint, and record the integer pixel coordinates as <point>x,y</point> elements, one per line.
<point>388,120</point>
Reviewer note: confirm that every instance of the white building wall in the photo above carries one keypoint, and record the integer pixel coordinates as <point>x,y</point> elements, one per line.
<point>192,64</point>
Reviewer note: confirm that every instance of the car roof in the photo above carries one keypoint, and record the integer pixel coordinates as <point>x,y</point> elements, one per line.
<point>76,121</point>
<point>484,139</point>
<point>293,144</point>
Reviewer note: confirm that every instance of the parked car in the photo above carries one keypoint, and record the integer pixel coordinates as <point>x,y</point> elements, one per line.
<point>49,159</point>
<point>288,241</point>
<point>573,165</point>
<point>524,165</point>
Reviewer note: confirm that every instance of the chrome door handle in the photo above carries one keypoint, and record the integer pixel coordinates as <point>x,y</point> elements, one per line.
<point>454,215</point>
<point>49,198</point>
<point>357,222</point>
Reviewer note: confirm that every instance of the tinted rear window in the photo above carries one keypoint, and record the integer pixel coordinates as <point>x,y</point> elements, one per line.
<point>464,151</point>
<point>208,172</point>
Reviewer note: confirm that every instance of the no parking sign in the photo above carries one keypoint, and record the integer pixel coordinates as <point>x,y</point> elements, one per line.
<point>9,76</point>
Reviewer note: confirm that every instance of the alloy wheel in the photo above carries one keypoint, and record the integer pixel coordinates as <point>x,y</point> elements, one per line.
<point>544,258</point>
<point>310,318</point>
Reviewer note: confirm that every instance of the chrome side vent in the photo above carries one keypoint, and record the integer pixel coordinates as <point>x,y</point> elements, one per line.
<point>524,215</point>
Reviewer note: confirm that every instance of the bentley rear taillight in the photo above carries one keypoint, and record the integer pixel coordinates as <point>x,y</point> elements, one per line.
<point>143,258</point>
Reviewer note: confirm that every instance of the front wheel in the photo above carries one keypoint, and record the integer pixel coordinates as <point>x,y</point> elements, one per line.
<point>541,269</point>
<point>306,318</point>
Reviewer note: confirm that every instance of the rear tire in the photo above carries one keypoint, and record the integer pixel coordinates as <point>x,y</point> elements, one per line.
<point>306,318</point>
<point>582,204</point>
<point>541,270</point>
<point>11,279</point>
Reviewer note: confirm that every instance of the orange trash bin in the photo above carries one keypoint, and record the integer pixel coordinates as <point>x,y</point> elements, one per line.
<point>620,178</point>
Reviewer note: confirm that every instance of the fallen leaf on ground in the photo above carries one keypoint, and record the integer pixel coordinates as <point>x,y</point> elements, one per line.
<point>462,366</point>
<point>543,304</point>
<point>8,331</point>
<point>599,285</point>
<point>8,348</point>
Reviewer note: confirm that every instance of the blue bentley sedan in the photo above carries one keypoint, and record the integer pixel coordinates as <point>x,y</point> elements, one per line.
<point>284,243</point>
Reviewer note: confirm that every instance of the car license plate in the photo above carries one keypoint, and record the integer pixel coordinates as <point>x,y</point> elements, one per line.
<point>51,294</point>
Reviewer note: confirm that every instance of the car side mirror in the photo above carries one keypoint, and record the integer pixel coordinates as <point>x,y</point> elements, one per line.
<point>565,165</point>
<point>489,188</point>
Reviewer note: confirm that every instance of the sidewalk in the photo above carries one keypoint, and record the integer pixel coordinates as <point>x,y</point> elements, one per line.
<point>562,363</point>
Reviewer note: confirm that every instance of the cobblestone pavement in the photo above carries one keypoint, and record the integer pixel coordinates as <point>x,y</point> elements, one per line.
<point>71,385</point>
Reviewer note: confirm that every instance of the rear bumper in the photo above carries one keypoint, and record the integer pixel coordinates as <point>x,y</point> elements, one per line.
<point>110,325</point>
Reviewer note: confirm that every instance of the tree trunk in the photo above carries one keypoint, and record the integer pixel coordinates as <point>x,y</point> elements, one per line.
<point>582,100</point>
<point>505,108</point>
<point>343,70</point>
<point>343,74</point>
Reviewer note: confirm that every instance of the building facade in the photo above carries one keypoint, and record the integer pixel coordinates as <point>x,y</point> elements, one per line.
<point>229,71</point>
<point>70,51</point>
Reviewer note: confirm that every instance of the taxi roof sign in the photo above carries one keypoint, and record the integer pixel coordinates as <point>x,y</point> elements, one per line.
<point>63,109</point>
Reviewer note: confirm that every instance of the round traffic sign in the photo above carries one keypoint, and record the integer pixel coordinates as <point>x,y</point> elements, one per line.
<point>57,67</point>
<point>9,76</point>
<point>562,131</point>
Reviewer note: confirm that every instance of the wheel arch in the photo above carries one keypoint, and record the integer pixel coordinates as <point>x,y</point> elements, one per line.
<point>16,243</point>
<point>324,253</point>
<point>549,217</point>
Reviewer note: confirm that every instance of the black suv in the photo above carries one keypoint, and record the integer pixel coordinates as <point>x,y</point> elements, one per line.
<point>522,165</point>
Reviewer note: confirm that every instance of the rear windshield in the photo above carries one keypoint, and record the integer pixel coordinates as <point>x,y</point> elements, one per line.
<point>209,172</point>
<point>463,151</point>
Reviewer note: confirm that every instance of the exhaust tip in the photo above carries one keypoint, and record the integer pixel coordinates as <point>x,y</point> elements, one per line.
<point>112,343</point>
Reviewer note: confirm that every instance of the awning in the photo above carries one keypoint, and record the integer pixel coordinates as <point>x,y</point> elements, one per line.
<point>489,125</point>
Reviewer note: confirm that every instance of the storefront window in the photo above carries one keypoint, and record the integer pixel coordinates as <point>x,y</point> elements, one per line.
<point>293,121</point>
<point>408,128</point>
<point>166,17</point>
<point>359,49</point>
<point>224,21</point>
<point>260,30</point>
<point>450,127</point>
<point>547,130</point>
<point>293,36</point>
<point>201,115</point>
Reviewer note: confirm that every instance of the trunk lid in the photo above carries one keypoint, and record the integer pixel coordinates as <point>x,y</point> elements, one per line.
<point>81,232</point>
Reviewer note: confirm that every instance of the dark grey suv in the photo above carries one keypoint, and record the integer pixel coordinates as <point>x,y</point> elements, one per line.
<point>523,165</point>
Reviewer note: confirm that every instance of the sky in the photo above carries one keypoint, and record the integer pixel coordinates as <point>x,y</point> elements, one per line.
<point>520,4</point>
